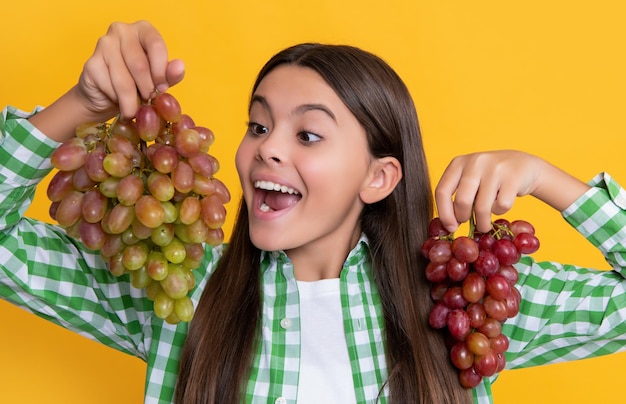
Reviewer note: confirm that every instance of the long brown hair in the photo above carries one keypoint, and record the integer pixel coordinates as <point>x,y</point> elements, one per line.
<point>223,336</point>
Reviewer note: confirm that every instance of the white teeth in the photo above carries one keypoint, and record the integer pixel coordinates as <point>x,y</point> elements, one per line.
<point>264,208</point>
<point>272,186</point>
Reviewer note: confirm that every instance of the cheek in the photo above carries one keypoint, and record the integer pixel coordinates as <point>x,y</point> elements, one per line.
<point>339,174</point>
<point>243,157</point>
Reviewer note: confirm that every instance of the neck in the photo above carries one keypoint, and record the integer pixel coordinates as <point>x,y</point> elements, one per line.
<point>322,260</point>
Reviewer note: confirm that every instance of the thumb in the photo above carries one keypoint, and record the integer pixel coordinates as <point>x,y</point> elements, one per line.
<point>173,75</point>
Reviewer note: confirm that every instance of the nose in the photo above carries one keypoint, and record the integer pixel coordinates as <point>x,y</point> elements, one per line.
<point>273,148</point>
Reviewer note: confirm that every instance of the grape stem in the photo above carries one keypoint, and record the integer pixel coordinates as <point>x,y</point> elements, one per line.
<point>472,225</point>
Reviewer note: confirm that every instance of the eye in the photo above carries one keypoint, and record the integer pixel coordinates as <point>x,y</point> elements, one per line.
<point>257,129</point>
<point>308,137</point>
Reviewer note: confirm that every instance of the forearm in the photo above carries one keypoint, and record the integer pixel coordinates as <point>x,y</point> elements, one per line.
<point>59,120</point>
<point>558,188</point>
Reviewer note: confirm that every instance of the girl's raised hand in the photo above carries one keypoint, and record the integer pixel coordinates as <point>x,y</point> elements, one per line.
<point>130,60</point>
<point>487,183</point>
<point>128,63</point>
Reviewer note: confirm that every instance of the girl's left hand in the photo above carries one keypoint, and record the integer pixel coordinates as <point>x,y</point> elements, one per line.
<point>487,183</point>
<point>482,184</point>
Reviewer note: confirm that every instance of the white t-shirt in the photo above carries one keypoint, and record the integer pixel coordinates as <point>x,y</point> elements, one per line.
<point>325,372</point>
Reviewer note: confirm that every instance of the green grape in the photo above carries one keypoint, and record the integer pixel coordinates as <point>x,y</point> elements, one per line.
<point>91,234</point>
<point>120,218</point>
<point>163,305</point>
<point>197,232</point>
<point>81,180</point>
<point>140,278</point>
<point>69,209</point>
<point>171,212</point>
<point>189,210</point>
<point>149,211</point>
<point>183,177</point>
<point>160,186</point>
<point>148,122</point>
<point>93,206</point>
<point>113,244</point>
<point>108,187</point>
<point>88,128</point>
<point>187,142</point>
<point>120,144</point>
<point>116,267</point>
<point>117,165</point>
<point>183,308</point>
<point>70,155</point>
<point>172,318</point>
<point>153,289</point>
<point>175,283</point>
<point>163,234</point>
<point>157,265</point>
<point>174,251</point>
<point>129,190</point>
<point>167,107</point>
<point>140,230</point>
<point>164,158</point>
<point>60,185</point>
<point>128,129</point>
<point>213,212</point>
<point>94,164</point>
<point>135,255</point>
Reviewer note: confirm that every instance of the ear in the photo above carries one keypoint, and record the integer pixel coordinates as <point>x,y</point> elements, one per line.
<point>385,174</point>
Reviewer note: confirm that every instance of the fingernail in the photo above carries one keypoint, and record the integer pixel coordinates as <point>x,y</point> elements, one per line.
<point>162,87</point>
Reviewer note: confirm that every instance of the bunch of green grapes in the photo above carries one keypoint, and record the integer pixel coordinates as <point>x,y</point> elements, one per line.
<point>142,192</point>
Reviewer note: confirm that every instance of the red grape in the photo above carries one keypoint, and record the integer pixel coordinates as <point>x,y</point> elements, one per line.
<point>486,365</point>
<point>461,356</point>
<point>487,263</point>
<point>469,378</point>
<point>521,226</point>
<point>526,243</point>
<point>458,324</point>
<point>440,251</point>
<point>498,287</point>
<point>474,287</point>
<point>506,252</point>
<point>465,249</point>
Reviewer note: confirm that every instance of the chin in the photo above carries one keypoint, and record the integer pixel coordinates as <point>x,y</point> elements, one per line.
<point>267,242</point>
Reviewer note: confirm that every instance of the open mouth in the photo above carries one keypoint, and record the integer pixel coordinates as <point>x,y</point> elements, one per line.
<point>274,196</point>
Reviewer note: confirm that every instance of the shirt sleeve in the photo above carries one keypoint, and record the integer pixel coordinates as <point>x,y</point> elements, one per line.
<point>569,312</point>
<point>45,271</point>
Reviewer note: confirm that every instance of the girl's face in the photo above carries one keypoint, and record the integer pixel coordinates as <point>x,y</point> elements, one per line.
<point>302,164</point>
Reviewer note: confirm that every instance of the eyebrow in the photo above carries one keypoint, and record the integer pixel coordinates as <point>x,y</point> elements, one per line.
<point>299,110</point>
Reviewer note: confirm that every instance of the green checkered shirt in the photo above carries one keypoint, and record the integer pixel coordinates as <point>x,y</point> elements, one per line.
<point>566,313</point>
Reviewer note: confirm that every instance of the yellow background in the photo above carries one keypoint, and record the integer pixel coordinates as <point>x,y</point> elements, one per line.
<point>542,76</point>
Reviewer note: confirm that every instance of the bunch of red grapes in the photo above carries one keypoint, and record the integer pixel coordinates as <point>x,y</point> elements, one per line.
<point>473,290</point>
<point>142,192</point>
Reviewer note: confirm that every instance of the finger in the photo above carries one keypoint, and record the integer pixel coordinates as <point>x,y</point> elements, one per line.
<point>123,84</point>
<point>175,72</point>
<point>506,197</point>
<point>138,67</point>
<point>484,202</point>
<point>96,77</point>
<point>444,195</point>
<point>156,51</point>
<point>466,194</point>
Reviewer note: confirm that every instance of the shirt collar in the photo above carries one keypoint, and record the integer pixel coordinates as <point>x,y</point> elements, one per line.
<point>360,253</point>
